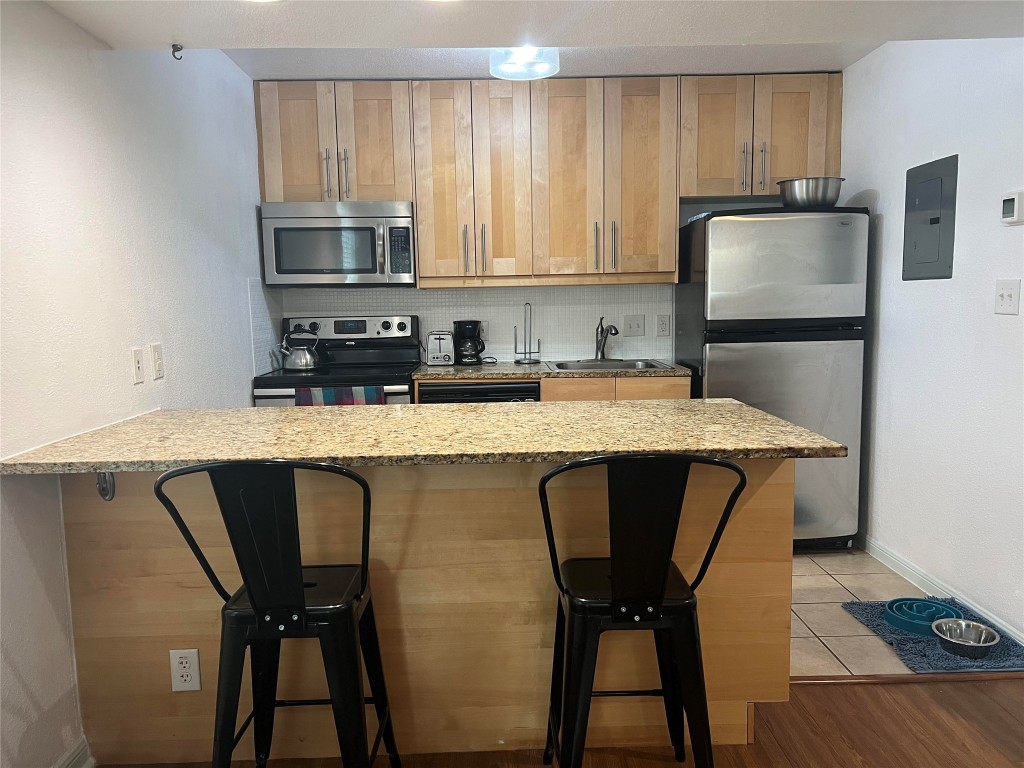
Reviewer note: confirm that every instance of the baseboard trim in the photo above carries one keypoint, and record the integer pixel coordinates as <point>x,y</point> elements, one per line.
<point>78,756</point>
<point>929,584</point>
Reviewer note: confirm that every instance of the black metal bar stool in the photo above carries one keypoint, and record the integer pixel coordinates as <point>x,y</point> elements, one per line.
<point>281,598</point>
<point>637,587</point>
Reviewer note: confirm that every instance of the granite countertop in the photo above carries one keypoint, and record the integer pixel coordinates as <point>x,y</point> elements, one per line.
<point>471,433</point>
<point>508,370</point>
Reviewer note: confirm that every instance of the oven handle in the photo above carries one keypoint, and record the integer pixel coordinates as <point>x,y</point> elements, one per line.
<point>389,389</point>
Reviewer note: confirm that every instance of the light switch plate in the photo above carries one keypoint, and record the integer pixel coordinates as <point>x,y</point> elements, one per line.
<point>633,325</point>
<point>138,371</point>
<point>1007,297</point>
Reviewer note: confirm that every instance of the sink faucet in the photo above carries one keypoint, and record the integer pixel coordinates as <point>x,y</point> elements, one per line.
<point>602,334</point>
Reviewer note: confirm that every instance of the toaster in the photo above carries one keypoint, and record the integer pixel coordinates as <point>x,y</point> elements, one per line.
<point>440,348</point>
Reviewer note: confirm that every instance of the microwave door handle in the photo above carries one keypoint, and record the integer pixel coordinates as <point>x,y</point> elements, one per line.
<point>383,249</point>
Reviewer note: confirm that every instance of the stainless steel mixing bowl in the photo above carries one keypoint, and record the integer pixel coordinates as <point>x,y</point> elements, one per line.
<point>812,191</point>
<point>965,638</point>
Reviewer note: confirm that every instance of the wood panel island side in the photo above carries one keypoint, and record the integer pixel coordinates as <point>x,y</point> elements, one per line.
<point>460,576</point>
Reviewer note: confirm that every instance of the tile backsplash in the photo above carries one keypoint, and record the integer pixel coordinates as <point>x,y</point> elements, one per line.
<point>265,315</point>
<point>564,317</point>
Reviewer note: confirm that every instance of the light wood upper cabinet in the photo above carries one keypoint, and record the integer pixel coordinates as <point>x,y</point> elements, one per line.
<point>641,203</point>
<point>502,177</point>
<point>567,135</point>
<point>443,167</point>
<point>298,141</point>
<point>374,147</point>
<point>716,127</point>
<point>796,128</point>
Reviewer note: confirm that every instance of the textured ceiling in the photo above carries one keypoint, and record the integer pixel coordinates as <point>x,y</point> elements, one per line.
<point>393,38</point>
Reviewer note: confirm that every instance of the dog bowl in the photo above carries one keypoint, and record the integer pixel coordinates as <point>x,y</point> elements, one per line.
<point>915,614</point>
<point>813,191</point>
<point>965,638</point>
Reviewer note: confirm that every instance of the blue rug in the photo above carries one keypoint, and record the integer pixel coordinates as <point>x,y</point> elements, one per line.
<point>923,654</point>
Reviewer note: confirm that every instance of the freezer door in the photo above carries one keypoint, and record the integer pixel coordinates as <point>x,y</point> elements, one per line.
<point>786,266</point>
<point>816,385</point>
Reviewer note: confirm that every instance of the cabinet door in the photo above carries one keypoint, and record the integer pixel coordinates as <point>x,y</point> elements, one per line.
<point>501,177</point>
<point>641,204</point>
<point>567,137</point>
<point>374,140</point>
<point>298,141</point>
<point>443,166</point>
<point>652,388</point>
<point>796,134</point>
<point>577,389</point>
<point>716,127</point>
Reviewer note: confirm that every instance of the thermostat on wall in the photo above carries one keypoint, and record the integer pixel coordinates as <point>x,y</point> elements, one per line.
<point>1013,207</point>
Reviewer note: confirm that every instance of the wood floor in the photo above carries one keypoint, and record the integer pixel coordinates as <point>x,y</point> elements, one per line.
<point>828,725</point>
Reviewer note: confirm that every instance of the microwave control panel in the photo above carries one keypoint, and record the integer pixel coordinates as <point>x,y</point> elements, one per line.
<point>400,250</point>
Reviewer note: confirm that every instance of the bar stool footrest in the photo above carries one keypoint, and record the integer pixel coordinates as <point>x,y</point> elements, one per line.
<point>651,692</point>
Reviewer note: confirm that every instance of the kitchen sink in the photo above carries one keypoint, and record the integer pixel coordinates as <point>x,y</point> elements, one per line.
<point>607,365</point>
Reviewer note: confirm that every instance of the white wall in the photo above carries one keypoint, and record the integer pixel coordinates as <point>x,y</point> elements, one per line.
<point>129,193</point>
<point>945,473</point>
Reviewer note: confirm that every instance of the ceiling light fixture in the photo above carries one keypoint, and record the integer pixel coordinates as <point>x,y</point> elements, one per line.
<point>524,63</point>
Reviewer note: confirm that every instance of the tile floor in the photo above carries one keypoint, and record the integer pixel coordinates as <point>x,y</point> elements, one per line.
<point>826,640</point>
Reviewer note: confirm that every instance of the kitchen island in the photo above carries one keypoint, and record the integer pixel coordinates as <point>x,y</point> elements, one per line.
<point>461,582</point>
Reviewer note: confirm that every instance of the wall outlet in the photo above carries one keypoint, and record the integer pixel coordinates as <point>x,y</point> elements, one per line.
<point>633,325</point>
<point>156,354</point>
<point>138,370</point>
<point>485,330</point>
<point>185,670</point>
<point>664,325</point>
<point>1007,297</point>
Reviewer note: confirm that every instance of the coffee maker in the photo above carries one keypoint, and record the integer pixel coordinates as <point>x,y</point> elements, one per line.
<point>468,345</point>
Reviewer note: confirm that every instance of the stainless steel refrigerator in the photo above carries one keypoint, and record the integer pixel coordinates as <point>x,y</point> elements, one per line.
<point>770,310</point>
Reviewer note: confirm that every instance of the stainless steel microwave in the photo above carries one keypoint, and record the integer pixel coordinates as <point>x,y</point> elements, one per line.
<point>338,244</point>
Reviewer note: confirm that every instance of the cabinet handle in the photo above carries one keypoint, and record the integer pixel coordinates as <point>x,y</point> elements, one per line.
<point>763,150</point>
<point>483,246</point>
<point>615,250</point>
<point>597,249</point>
<point>465,248</point>
<point>348,191</point>
<point>327,167</point>
<point>743,183</point>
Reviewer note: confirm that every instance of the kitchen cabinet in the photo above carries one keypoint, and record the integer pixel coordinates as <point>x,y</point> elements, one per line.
<point>567,138</point>
<point>796,128</point>
<point>652,388</point>
<point>443,169</point>
<point>616,388</point>
<point>716,128</point>
<point>742,134</point>
<point>577,389</point>
<point>374,148</point>
<point>297,134</point>
<point>502,177</point>
<point>641,202</point>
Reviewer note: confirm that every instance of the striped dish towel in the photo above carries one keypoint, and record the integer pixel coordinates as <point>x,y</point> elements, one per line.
<point>339,396</point>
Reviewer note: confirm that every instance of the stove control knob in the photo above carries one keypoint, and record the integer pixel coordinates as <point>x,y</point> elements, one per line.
<point>314,327</point>
<point>385,325</point>
<point>402,327</point>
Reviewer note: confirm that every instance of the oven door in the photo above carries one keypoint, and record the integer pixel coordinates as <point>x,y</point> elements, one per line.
<point>323,251</point>
<point>394,394</point>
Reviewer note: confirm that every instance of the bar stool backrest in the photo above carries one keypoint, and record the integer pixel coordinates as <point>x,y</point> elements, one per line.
<point>258,506</point>
<point>645,502</point>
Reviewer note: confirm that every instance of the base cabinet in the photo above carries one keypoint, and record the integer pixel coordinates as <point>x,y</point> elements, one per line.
<point>616,388</point>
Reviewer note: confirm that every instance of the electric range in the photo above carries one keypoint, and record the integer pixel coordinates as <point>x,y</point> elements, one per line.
<point>363,351</point>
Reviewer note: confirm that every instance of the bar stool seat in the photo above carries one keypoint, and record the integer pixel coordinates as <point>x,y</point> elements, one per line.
<point>588,584</point>
<point>327,588</point>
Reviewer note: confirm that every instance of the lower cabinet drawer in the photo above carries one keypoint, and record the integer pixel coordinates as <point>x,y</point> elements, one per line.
<point>653,388</point>
<point>577,389</point>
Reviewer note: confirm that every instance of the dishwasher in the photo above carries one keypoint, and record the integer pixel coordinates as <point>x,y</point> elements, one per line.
<point>482,392</point>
